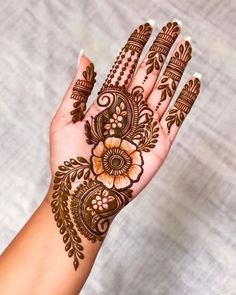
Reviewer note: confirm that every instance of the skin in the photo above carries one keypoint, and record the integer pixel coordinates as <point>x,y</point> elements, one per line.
<point>36,258</point>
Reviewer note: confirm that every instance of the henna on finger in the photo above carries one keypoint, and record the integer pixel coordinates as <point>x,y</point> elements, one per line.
<point>81,91</point>
<point>174,71</point>
<point>183,103</point>
<point>124,67</point>
<point>161,47</point>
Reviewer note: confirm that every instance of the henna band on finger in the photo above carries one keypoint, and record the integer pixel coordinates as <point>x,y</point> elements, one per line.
<point>183,103</point>
<point>81,91</point>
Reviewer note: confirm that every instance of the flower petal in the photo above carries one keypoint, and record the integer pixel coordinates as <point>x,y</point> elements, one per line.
<point>107,126</point>
<point>136,158</point>
<point>99,149</point>
<point>121,181</point>
<point>112,142</point>
<point>97,165</point>
<point>106,179</point>
<point>105,206</point>
<point>117,110</point>
<point>134,171</point>
<point>127,146</point>
<point>105,193</point>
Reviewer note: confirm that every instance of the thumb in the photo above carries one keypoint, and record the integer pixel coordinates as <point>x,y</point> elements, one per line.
<point>73,105</point>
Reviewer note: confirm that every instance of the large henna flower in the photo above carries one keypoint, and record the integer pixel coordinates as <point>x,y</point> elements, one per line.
<point>117,163</point>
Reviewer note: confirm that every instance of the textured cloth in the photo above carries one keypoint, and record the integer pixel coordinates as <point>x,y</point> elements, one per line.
<point>179,236</point>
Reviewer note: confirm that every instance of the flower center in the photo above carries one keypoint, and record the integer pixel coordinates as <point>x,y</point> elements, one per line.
<point>116,161</point>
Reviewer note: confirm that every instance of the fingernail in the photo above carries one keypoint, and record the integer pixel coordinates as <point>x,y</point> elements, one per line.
<point>151,22</point>
<point>79,57</point>
<point>187,38</point>
<point>197,75</point>
<point>178,22</point>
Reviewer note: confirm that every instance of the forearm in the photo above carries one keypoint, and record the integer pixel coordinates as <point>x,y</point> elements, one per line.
<point>36,260</point>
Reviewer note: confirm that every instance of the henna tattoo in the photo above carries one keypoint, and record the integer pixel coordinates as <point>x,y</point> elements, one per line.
<point>81,91</point>
<point>127,59</point>
<point>161,47</point>
<point>174,71</point>
<point>120,133</point>
<point>178,61</point>
<point>183,103</point>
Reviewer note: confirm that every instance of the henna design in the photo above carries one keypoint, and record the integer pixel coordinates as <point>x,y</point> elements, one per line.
<point>161,47</point>
<point>81,91</point>
<point>183,103</point>
<point>178,62</point>
<point>127,59</point>
<point>120,133</point>
<point>174,71</point>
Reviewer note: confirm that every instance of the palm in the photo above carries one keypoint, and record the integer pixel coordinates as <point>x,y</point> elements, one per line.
<point>105,157</point>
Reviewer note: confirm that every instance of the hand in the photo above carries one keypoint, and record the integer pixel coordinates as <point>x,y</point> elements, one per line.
<point>101,158</point>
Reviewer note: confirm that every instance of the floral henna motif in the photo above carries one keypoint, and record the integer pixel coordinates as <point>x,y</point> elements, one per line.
<point>183,103</point>
<point>174,71</point>
<point>116,163</point>
<point>161,47</point>
<point>81,91</point>
<point>119,134</point>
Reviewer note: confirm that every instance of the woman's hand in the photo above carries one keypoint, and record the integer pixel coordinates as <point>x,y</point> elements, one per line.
<point>102,157</point>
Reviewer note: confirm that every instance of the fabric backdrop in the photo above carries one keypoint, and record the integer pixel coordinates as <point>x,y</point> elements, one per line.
<point>179,236</point>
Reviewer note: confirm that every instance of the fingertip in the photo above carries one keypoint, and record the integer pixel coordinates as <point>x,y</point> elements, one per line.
<point>197,75</point>
<point>81,53</point>
<point>179,22</point>
<point>82,60</point>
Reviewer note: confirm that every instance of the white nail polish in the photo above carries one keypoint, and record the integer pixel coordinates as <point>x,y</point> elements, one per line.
<point>79,57</point>
<point>151,22</point>
<point>178,22</point>
<point>187,38</point>
<point>197,75</point>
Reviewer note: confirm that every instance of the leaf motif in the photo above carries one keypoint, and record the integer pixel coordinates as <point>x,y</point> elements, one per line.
<point>152,54</point>
<point>82,160</point>
<point>74,162</point>
<point>73,176</point>
<point>76,263</point>
<point>173,111</point>
<point>68,246</point>
<point>177,121</point>
<point>58,173</point>
<point>87,174</point>
<point>170,117</point>
<point>80,174</point>
<point>150,69</point>
<point>174,86</point>
<point>67,164</point>
<point>163,80</point>
<point>182,116</point>
<point>63,168</point>
<point>168,91</point>
<point>160,87</point>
